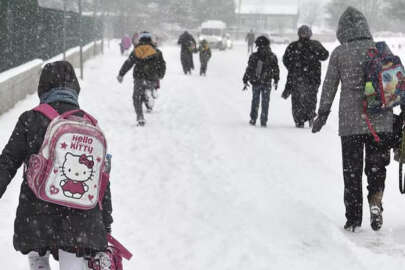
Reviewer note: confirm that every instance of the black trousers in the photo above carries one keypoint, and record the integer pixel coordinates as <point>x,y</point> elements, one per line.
<point>138,97</point>
<point>377,157</point>
<point>187,61</point>
<point>303,101</point>
<point>203,67</point>
<point>264,92</point>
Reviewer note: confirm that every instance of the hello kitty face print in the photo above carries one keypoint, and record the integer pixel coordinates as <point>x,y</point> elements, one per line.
<point>69,168</point>
<point>77,170</point>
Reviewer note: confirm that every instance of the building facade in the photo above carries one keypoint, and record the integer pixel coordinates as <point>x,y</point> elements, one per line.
<point>268,18</point>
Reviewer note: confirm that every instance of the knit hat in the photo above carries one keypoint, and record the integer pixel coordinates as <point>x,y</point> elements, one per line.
<point>145,36</point>
<point>305,32</point>
<point>58,74</point>
<point>262,41</point>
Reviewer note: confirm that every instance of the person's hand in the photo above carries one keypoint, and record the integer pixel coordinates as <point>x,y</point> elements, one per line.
<point>245,87</point>
<point>320,121</point>
<point>285,95</point>
<point>120,78</point>
<point>108,229</point>
<point>276,85</point>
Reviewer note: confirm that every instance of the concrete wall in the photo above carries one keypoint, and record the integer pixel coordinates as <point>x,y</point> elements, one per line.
<point>17,83</point>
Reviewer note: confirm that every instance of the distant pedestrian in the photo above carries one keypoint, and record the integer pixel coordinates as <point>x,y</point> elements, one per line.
<point>188,47</point>
<point>250,39</point>
<point>302,59</point>
<point>205,56</point>
<point>125,44</point>
<point>261,71</point>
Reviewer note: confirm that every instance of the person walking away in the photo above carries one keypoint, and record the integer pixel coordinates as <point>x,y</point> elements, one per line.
<point>302,59</point>
<point>188,47</point>
<point>347,66</point>
<point>261,70</point>
<point>205,56</point>
<point>150,67</point>
<point>125,44</point>
<point>42,228</point>
<point>250,39</point>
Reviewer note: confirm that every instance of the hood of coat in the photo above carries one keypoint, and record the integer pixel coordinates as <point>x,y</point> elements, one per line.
<point>59,74</point>
<point>143,51</point>
<point>352,26</point>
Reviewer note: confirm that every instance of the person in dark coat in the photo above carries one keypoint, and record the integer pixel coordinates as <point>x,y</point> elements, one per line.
<point>347,66</point>
<point>40,227</point>
<point>261,70</point>
<point>188,47</point>
<point>302,59</point>
<point>150,67</point>
<point>250,39</point>
<point>205,56</point>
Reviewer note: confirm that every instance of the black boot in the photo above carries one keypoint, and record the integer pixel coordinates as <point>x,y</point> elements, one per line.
<point>252,122</point>
<point>352,226</point>
<point>299,125</point>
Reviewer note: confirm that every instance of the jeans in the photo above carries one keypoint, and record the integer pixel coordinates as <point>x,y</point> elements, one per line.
<point>264,92</point>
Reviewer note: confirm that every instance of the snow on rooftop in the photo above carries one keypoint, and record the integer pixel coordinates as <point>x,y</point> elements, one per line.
<point>269,9</point>
<point>58,4</point>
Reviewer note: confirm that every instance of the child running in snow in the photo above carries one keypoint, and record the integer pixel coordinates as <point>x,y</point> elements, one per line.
<point>150,67</point>
<point>42,228</point>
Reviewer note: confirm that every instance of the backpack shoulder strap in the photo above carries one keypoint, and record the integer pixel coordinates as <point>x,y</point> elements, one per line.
<point>47,110</point>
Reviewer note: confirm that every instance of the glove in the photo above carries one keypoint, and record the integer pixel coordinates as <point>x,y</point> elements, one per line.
<point>275,85</point>
<point>320,121</point>
<point>108,229</point>
<point>120,78</point>
<point>285,94</point>
<point>245,87</point>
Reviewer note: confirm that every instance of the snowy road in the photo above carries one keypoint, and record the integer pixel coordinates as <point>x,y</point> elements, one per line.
<point>198,188</point>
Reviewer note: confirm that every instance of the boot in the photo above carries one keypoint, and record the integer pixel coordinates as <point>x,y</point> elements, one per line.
<point>299,125</point>
<point>375,202</point>
<point>141,123</point>
<point>252,122</point>
<point>351,226</point>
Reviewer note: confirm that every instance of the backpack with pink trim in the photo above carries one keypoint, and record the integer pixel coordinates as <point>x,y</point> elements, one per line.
<point>69,169</point>
<point>111,259</point>
<point>385,83</point>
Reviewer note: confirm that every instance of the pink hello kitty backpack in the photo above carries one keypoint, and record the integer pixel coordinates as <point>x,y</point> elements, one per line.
<point>69,168</point>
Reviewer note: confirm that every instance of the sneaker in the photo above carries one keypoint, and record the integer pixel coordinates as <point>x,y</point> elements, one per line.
<point>252,122</point>
<point>376,219</point>
<point>352,226</point>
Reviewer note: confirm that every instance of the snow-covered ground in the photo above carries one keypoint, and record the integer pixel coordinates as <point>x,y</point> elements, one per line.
<point>198,188</point>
